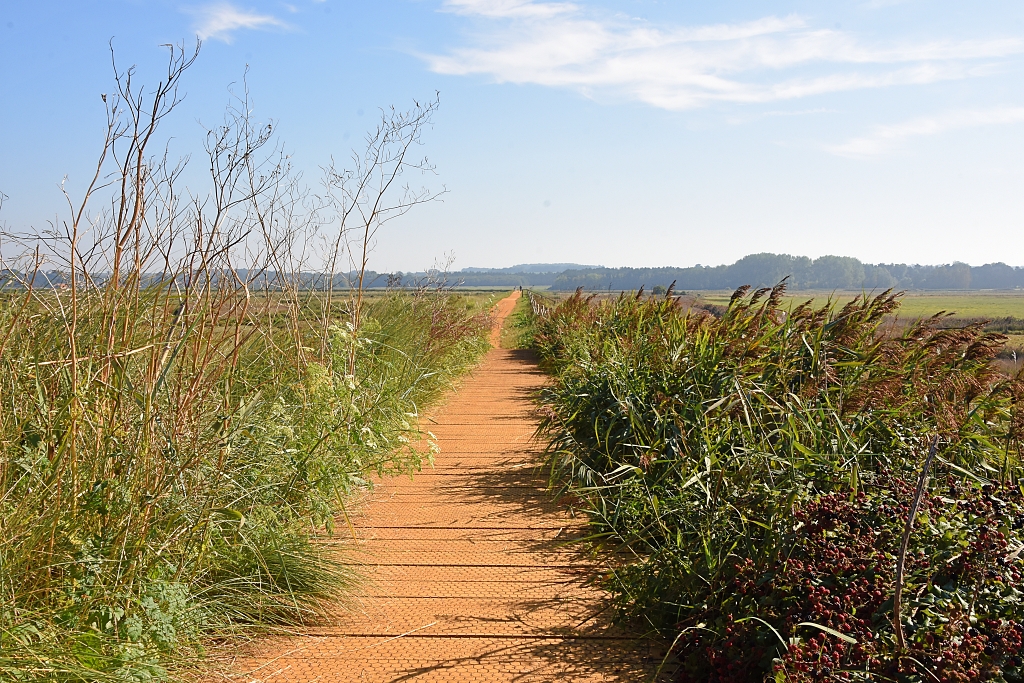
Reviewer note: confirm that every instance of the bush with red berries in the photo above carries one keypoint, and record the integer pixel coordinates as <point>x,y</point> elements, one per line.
<point>822,608</point>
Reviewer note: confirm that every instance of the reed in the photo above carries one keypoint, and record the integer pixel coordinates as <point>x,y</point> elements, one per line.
<point>695,441</point>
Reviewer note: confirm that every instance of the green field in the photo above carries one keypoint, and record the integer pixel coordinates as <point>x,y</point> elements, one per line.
<point>989,304</point>
<point>982,304</point>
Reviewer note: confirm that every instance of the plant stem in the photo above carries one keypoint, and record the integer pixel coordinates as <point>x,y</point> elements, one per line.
<point>901,560</point>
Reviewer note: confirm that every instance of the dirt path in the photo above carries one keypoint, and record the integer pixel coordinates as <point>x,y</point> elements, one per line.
<point>469,576</point>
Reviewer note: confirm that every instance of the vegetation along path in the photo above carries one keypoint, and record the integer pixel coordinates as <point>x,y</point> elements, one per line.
<point>469,576</point>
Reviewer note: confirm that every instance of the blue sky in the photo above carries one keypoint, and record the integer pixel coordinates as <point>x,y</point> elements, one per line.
<point>625,133</point>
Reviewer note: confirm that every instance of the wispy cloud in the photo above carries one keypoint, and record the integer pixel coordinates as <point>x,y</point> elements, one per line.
<point>518,9</point>
<point>883,139</point>
<point>879,4</point>
<point>563,44</point>
<point>219,21</point>
<point>749,116</point>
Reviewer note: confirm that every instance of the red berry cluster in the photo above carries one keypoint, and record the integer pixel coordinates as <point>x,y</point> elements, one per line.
<point>963,612</point>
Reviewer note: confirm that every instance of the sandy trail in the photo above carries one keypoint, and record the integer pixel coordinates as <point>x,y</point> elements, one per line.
<point>468,575</point>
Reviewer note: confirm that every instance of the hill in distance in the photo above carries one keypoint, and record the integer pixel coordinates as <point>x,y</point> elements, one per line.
<point>532,268</point>
<point>758,270</point>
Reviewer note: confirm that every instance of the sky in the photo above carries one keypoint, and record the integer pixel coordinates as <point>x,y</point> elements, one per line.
<point>613,132</point>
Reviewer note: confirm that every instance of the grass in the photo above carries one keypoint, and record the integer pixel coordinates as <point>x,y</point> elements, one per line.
<point>518,332</point>
<point>1015,341</point>
<point>168,492</point>
<point>915,304</point>
<point>182,426</point>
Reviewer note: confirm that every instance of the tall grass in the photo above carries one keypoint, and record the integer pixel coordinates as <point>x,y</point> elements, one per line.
<point>181,423</point>
<point>517,332</point>
<point>694,441</point>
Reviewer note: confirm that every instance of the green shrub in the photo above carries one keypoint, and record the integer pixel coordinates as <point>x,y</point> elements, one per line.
<point>695,441</point>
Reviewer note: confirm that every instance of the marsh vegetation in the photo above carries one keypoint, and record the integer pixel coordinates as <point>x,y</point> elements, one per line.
<point>185,420</point>
<point>800,493</point>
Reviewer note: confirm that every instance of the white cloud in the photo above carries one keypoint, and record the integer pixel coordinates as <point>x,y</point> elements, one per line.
<point>750,116</point>
<point>509,8</point>
<point>219,21</point>
<point>882,139</point>
<point>563,44</point>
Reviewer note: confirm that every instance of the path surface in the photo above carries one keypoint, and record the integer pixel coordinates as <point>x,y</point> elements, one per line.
<point>469,578</point>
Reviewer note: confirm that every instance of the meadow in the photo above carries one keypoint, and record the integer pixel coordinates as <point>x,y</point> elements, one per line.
<point>1001,310</point>
<point>966,304</point>
<point>914,304</point>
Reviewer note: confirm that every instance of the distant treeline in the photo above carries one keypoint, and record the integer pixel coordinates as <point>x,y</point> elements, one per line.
<point>757,270</point>
<point>826,272</point>
<point>271,281</point>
